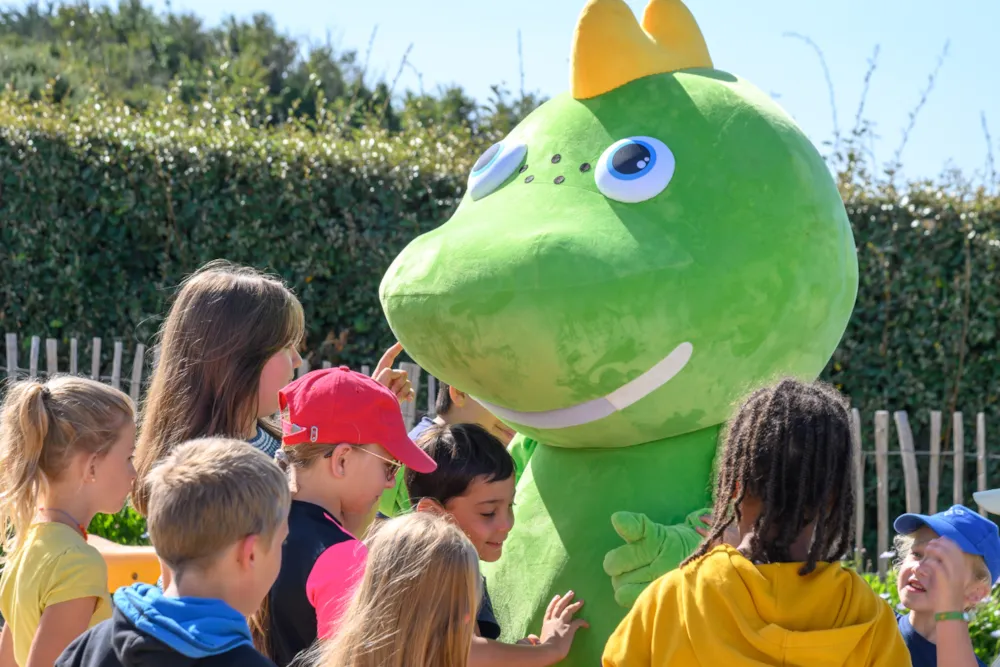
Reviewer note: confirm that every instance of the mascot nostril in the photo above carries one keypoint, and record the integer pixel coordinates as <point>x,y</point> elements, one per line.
<point>697,249</point>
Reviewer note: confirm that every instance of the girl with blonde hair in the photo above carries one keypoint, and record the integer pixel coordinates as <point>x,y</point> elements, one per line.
<point>65,455</point>
<point>416,605</point>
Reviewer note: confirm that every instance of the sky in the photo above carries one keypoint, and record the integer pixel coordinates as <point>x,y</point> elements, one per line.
<point>474,43</point>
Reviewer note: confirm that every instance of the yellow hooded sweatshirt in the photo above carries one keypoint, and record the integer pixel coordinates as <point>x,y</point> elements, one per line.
<point>723,611</point>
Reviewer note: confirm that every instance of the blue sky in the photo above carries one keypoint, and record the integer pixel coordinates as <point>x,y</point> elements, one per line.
<point>474,43</point>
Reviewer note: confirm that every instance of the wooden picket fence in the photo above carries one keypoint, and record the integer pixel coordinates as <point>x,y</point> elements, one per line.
<point>911,476</point>
<point>143,363</point>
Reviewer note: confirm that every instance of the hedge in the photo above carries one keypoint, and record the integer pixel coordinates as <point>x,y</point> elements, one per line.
<point>103,213</point>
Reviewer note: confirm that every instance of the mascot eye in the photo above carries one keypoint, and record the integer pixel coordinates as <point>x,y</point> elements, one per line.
<point>494,167</point>
<point>634,169</point>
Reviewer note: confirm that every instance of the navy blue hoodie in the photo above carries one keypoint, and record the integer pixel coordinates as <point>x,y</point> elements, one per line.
<point>147,629</point>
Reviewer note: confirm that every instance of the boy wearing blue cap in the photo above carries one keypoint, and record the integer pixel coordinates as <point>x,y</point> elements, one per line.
<point>948,563</point>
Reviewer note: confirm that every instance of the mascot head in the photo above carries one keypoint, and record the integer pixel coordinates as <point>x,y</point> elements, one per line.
<point>635,255</point>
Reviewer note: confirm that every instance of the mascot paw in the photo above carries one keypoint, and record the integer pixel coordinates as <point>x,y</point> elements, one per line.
<point>650,551</point>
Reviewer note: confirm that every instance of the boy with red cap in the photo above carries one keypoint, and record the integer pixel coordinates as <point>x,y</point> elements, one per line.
<point>343,441</point>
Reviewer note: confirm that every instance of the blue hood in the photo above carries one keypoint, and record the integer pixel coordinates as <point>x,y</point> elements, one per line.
<point>194,627</point>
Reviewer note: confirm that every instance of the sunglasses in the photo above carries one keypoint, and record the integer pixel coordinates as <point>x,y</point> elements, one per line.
<point>391,467</point>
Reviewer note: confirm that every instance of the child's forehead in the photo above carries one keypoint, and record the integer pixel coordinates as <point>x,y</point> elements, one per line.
<point>483,489</point>
<point>923,535</point>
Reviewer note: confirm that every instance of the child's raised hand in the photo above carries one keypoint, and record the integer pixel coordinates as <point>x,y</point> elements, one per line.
<point>398,381</point>
<point>943,569</point>
<point>559,626</point>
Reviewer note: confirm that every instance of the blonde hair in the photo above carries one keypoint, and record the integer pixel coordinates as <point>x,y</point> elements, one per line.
<point>42,427</point>
<point>903,546</point>
<point>291,458</point>
<point>416,605</point>
<point>209,494</point>
<point>223,326</point>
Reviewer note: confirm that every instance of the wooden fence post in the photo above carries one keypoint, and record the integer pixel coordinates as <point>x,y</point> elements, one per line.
<point>934,474</point>
<point>911,478</point>
<point>859,489</point>
<point>410,407</point>
<point>12,357</point>
<point>116,366</point>
<point>981,455</point>
<point>51,356</point>
<point>958,488</point>
<point>36,343</point>
<point>882,488</point>
<point>95,359</point>
<point>136,383</point>
<point>74,346</point>
<point>432,392</point>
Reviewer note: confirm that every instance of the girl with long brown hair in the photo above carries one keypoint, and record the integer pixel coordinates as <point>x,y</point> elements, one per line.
<point>228,345</point>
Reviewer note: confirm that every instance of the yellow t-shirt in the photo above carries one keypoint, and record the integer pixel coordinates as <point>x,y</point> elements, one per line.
<point>54,564</point>
<point>724,610</point>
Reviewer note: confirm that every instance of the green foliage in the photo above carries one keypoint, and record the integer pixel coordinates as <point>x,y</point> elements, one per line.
<point>69,52</point>
<point>126,527</point>
<point>984,629</point>
<point>104,211</point>
<point>923,335</point>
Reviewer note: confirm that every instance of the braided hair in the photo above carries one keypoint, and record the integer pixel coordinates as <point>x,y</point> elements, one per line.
<point>789,448</point>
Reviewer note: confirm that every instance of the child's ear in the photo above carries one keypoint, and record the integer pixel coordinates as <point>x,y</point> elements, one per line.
<point>90,470</point>
<point>431,505</point>
<point>246,551</point>
<point>457,397</point>
<point>338,460</point>
<point>976,593</point>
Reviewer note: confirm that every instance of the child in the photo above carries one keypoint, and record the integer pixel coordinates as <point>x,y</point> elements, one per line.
<point>344,439</point>
<point>780,597</point>
<point>229,343</point>
<point>218,513</point>
<point>948,563</point>
<point>65,455</point>
<point>474,485</point>
<point>456,407</point>
<point>415,603</point>
<point>452,407</point>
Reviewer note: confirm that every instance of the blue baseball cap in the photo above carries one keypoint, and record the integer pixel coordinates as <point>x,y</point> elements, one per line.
<point>974,534</point>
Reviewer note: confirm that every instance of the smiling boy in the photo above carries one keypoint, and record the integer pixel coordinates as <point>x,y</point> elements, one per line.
<point>948,562</point>
<point>474,484</point>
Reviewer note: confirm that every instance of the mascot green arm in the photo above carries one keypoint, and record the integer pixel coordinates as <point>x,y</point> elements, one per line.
<point>626,264</point>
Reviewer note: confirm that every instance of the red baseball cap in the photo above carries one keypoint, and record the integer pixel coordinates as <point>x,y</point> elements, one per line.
<point>337,405</point>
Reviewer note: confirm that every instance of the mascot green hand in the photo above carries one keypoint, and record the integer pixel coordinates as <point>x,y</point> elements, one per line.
<point>650,550</point>
<point>626,264</point>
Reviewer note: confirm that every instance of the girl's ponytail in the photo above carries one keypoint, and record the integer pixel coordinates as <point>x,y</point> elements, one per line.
<point>41,427</point>
<point>24,425</point>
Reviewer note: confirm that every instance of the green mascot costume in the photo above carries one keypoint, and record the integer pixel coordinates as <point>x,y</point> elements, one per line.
<point>627,264</point>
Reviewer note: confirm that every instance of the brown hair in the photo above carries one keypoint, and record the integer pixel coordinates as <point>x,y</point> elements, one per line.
<point>42,426</point>
<point>416,604</point>
<point>207,495</point>
<point>223,326</point>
